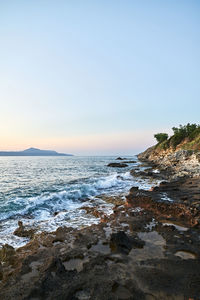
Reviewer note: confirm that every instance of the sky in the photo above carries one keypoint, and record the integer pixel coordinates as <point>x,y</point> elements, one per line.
<point>97,77</point>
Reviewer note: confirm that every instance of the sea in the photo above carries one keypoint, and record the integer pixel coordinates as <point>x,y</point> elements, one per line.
<point>47,192</point>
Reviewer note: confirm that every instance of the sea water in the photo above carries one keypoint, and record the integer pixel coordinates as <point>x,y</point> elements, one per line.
<point>48,192</point>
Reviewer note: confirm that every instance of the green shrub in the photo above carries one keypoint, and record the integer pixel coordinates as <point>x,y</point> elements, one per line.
<point>164,145</point>
<point>161,137</point>
<point>195,133</point>
<point>187,131</point>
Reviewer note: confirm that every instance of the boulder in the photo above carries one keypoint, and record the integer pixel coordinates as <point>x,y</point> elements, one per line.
<point>134,189</point>
<point>23,232</point>
<point>117,165</point>
<point>120,242</point>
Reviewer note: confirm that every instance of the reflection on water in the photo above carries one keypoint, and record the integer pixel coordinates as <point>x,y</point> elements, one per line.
<point>101,248</point>
<point>153,248</point>
<point>176,225</point>
<point>75,264</point>
<point>185,254</point>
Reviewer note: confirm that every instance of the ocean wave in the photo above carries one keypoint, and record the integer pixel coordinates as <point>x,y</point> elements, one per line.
<point>70,198</point>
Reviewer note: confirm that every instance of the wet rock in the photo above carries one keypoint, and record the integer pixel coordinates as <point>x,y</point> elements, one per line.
<point>154,188</point>
<point>163,183</point>
<point>54,257</point>
<point>57,267</point>
<point>147,174</point>
<point>93,211</point>
<point>1,271</point>
<point>120,242</point>
<point>151,201</point>
<point>137,242</point>
<point>23,232</point>
<point>83,295</point>
<point>117,165</point>
<point>121,292</point>
<point>137,174</point>
<point>7,254</point>
<point>117,200</point>
<point>134,190</point>
<point>61,233</point>
<point>120,158</point>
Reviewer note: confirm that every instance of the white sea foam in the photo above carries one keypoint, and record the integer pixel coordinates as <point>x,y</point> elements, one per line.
<point>166,198</point>
<point>156,171</point>
<point>67,203</point>
<point>62,206</point>
<point>66,199</point>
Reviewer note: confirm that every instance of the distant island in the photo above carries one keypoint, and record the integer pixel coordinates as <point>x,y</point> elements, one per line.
<point>33,152</point>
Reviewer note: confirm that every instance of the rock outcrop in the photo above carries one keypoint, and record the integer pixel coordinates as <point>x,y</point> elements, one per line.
<point>148,248</point>
<point>180,162</point>
<point>23,232</point>
<point>117,165</point>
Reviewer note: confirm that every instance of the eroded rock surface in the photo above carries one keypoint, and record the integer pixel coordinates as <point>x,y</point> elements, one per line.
<point>149,248</point>
<point>181,162</point>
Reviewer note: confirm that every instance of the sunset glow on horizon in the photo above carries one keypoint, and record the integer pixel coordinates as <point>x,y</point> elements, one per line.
<point>86,145</point>
<point>97,78</point>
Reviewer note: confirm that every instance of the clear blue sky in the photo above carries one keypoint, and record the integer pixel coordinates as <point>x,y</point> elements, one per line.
<point>97,77</point>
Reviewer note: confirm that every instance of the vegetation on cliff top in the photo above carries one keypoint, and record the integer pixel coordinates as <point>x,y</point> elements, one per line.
<point>184,137</point>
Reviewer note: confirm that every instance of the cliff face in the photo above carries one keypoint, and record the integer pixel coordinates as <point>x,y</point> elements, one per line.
<point>180,162</point>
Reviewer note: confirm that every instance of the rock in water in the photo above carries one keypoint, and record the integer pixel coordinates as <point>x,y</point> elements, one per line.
<point>23,232</point>
<point>117,165</point>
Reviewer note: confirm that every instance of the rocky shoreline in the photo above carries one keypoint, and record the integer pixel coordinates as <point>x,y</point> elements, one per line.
<point>178,163</point>
<point>149,248</point>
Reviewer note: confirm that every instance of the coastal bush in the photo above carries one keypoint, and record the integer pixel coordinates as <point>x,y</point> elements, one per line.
<point>195,133</point>
<point>188,135</point>
<point>182,132</point>
<point>194,144</point>
<point>164,145</point>
<point>161,137</point>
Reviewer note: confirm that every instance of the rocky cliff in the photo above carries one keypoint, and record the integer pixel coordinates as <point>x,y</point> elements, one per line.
<point>180,162</point>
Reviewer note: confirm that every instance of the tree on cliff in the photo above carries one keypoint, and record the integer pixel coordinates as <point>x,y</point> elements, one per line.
<point>189,131</point>
<point>185,136</point>
<point>161,137</point>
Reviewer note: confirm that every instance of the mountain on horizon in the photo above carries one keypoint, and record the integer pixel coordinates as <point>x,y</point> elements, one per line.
<point>33,152</point>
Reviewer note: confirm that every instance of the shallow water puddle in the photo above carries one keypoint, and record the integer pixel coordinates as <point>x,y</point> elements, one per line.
<point>152,237</point>
<point>152,224</point>
<point>34,272</point>
<point>165,197</point>
<point>176,225</point>
<point>75,264</point>
<point>153,247</point>
<point>101,248</point>
<point>124,225</point>
<point>108,230</point>
<point>185,254</point>
<point>82,295</point>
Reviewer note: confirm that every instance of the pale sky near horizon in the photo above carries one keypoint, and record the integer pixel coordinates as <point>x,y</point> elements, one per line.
<point>97,77</point>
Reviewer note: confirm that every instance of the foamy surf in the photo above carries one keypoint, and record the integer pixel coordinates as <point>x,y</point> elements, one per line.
<point>59,202</point>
